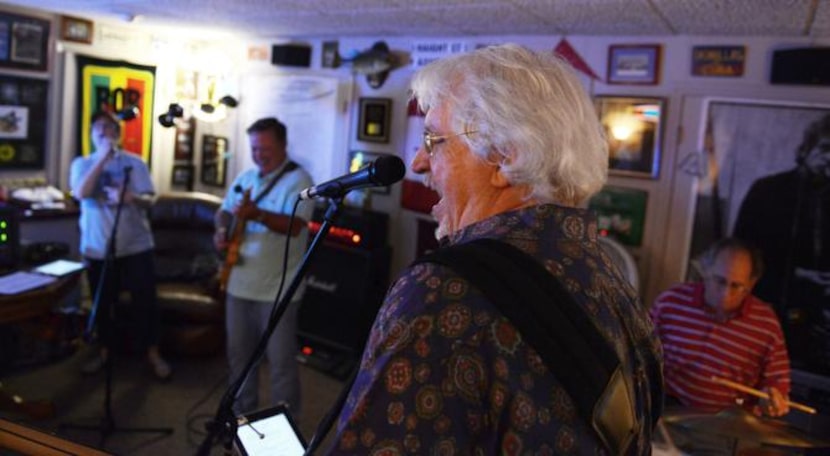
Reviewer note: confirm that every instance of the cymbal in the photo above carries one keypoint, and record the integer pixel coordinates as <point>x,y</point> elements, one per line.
<point>739,423</point>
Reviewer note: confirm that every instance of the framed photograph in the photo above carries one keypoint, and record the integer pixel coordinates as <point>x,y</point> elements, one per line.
<point>183,150</point>
<point>214,160</point>
<point>719,61</point>
<point>76,29</point>
<point>621,213</point>
<point>23,106</point>
<point>331,54</point>
<point>359,159</point>
<point>373,123</point>
<point>182,175</point>
<point>633,127</point>
<point>23,42</point>
<point>634,64</point>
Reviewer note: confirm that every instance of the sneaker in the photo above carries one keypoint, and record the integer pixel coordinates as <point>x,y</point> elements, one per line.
<point>93,365</point>
<point>161,368</point>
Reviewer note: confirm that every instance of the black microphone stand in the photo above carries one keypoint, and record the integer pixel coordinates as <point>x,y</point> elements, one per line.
<point>107,425</point>
<point>223,426</point>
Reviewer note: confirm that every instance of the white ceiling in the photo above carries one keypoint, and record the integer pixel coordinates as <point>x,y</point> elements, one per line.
<point>342,18</point>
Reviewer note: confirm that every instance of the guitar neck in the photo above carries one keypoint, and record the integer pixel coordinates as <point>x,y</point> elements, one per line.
<point>237,232</point>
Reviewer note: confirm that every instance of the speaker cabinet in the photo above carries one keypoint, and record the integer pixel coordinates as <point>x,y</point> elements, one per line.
<point>803,66</point>
<point>345,288</point>
<point>9,237</point>
<point>297,55</point>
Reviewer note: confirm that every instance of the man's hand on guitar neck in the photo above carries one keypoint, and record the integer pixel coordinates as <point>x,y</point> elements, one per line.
<point>247,210</point>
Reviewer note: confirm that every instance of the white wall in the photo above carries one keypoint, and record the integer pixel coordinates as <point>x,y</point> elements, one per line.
<point>661,257</point>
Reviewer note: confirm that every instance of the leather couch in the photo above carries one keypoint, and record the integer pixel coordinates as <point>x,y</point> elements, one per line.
<point>187,265</point>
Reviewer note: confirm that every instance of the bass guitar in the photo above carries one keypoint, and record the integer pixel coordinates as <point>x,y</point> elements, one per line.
<point>234,241</point>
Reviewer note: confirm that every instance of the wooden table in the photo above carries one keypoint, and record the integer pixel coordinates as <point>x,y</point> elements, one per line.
<point>36,302</point>
<point>24,306</point>
<point>29,441</point>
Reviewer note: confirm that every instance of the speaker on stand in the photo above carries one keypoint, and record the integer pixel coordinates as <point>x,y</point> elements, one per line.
<point>801,66</point>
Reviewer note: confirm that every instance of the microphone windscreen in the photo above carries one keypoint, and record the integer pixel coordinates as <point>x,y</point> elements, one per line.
<point>388,170</point>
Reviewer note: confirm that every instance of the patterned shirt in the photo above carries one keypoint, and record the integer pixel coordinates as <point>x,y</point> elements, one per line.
<point>445,373</point>
<point>747,348</point>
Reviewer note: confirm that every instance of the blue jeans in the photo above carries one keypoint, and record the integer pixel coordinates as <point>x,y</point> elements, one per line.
<point>246,321</point>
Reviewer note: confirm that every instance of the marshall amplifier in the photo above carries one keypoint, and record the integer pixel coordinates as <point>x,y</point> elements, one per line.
<point>345,288</point>
<point>353,227</point>
<point>346,282</point>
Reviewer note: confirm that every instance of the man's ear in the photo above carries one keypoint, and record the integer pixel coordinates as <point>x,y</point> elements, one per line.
<point>498,179</point>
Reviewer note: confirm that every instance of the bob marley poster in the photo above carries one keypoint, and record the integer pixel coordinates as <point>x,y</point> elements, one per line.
<point>123,89</point>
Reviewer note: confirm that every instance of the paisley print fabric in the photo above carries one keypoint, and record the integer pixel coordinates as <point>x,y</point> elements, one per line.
<point>445,373</point>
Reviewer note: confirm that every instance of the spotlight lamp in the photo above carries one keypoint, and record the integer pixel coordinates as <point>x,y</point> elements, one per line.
<point>229,101</point>
<point>226,101</point>
<point>168,119</point>
<point>213,111</point>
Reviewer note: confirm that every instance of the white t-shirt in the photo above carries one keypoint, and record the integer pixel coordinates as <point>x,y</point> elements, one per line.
<point>98,217</point>
<point>257,274</point>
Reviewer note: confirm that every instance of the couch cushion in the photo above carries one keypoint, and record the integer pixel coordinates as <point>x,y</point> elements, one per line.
<point>182,224</point>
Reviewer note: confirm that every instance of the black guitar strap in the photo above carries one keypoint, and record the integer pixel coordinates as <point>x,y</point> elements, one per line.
<point>290,166</point>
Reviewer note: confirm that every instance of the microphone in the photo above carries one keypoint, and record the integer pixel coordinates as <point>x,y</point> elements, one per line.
<point>128,113</point>
<point>381,172</point>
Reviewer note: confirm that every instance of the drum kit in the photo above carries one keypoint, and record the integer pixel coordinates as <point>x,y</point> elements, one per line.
<point>733,431</point>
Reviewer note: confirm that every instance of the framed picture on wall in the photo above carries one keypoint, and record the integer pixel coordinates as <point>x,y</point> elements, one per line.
<point>634,64</point>
<point>23,42</point>
<point>76,29</point>
<point>633,127</point>
<point>23,106</point>
<point>182,176</point>
<point>621,213</point>
<point>214,160</point>
<point>720,61</point>
<point>359,159</point>
<point>374,117</point>
<point>183,150</point>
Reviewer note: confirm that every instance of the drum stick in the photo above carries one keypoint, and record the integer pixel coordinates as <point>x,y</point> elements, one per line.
<point>761,394</point>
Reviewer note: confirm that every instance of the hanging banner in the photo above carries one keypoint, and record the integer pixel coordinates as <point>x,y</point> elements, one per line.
<point>120,88</point>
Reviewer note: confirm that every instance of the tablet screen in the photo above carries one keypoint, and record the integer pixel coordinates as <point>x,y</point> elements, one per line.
<point>59,267</point>
<point>271,435</point>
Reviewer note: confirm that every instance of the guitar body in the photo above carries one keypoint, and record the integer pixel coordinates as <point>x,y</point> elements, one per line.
<point>234,242</point>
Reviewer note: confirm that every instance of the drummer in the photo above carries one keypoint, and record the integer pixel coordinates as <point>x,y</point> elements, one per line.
<point>718,328</point>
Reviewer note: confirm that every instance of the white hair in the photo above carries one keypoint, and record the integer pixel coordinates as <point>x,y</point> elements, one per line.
<point>530,113</point>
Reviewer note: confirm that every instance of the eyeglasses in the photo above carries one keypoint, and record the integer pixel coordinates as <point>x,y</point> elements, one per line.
<point>734,287</point>
<point>432,140</point>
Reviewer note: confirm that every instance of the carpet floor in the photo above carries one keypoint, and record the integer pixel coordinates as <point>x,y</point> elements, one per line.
<point>182,404</point>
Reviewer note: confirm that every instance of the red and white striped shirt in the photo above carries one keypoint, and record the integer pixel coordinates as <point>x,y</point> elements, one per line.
<point>747,348</point>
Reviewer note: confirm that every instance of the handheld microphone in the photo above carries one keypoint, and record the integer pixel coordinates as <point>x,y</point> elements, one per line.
<point>381,172</point>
